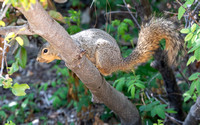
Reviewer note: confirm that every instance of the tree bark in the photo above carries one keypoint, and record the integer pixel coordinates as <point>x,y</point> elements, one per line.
<point>193,117</point>
<point>42,24</point>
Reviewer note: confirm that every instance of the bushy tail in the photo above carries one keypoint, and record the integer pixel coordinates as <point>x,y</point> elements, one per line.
<point>148,42</point>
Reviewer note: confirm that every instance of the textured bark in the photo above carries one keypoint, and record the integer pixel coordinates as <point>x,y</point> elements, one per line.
<point>174,95</point>
<point>42,24</point>
<point>193,117</point>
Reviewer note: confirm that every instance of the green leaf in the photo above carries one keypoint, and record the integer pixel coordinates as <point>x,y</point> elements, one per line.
<point>127,37</point>
<point>13,68</point>
<point>170,110</point>
<point>194,26</point>
<point>198,31</point>
<point>196,45</point>
<point>194,76</point>
<point>21,54</point>
<point>181,12</point>
<point>198,86</point>
<point>189,2</point>
<point>7,83</point>
<point>2,114</point>
<point>25,103</point>
<point>115,23</point>
<point>19,89</point>
<point>73,29</point>
<point>9,123</point>
<point>189,36</point>
<point>194,38</point>
<point>153,112</point>
<point>160,112</point>
<point>141,86</point>
<point>20,41</point>
<point>129,21</point>
<point>186,96</point>
<point>185,30</point>
<point>130,87</point>
<point>133,92</point>
<point>2,23</point>
<point>197,54</point>
<point>120,85</point>
<point>191,60</point>
<point>122,28</point>
<point>192,87</point>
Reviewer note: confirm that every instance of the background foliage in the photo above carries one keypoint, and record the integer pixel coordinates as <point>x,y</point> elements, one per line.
<point>144,86</point>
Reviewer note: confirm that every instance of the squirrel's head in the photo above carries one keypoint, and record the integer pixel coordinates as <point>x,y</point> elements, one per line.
<point>47,54</point>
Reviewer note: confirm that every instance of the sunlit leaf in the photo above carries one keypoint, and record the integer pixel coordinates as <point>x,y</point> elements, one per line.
<point>19,89</point>
<point>10,36</point>
<point>33,1</point>
<point>2,23</point>
<point>197,54</point>
<point>20,41</point>
<point>185,30</point>
<point>7,83</point>
<point>189,36</point>
<point>194,76</point>
<point>181,12</point>
<point>194,26</point>
<point>13,68</point>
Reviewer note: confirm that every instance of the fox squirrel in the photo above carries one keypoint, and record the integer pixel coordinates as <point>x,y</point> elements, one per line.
<point>103,51</point>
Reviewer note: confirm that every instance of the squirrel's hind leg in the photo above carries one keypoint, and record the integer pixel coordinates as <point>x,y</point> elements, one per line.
<point>103,62</point>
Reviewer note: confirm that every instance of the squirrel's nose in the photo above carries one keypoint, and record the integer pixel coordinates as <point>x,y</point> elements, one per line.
<point>37,59</point>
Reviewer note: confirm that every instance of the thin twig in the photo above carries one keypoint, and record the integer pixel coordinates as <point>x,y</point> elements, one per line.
<point>20,30</point>
<point>131,14</point>
<point>3,56</point>
<point>190,14</point>
<point>183,76</point>
<point>2,15</point>
<point>173,119</point>
<point>113,12</point>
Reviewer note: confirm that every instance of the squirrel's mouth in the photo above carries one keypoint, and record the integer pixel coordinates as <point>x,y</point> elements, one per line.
<point>42,60</point>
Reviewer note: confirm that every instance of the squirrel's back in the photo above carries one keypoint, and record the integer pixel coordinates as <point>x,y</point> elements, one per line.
<point>92,39</point>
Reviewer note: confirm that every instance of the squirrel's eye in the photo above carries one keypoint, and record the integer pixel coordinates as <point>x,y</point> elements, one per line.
<point>45,50</point>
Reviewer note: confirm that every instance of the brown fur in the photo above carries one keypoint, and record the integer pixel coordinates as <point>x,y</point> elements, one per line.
<point>102,49</point>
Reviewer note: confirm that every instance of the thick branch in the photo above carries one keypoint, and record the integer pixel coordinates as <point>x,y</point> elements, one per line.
<point>193,118</point>
<point>41,23</point>
<point>20,30</point>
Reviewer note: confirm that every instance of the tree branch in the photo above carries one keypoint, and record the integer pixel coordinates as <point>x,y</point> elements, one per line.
<point>42,24</point>
<point>20,30</point>
<point>193,118</point>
